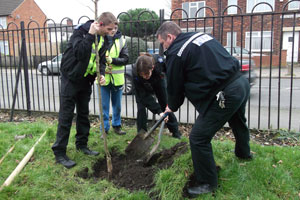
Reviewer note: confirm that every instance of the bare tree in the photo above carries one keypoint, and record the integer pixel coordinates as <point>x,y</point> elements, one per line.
<point>108,156</point>
<point>88,6</point>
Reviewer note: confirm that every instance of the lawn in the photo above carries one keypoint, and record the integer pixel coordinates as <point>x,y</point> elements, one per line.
<point>273,174</point>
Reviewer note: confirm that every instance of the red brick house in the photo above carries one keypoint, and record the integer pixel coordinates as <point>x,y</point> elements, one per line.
<point>12,12</point>
<point>237,22</point>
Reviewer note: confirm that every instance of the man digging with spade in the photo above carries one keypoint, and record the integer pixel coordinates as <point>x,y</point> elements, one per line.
<point>199,68</point>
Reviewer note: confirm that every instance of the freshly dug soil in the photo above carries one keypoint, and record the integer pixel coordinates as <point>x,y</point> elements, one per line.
<point>132,174</point>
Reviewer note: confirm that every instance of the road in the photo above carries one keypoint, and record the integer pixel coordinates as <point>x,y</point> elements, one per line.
<point>267,107</point>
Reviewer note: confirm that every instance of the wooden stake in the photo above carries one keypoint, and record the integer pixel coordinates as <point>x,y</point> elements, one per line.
<point>22,164</point>
<point>10,150</point>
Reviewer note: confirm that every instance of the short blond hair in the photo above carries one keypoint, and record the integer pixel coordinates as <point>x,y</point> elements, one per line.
<point>107,18</point>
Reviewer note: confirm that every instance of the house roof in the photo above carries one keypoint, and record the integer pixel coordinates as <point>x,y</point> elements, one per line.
<point>8,6</point>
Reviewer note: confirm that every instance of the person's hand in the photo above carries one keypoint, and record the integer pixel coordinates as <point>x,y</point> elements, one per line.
<point>166,118</point>
<point>94,28</point>
<point>161,114</point>
<point>102,80</point>
<point>168,110</point>
<point>108,60</point>
<point>108,69</point>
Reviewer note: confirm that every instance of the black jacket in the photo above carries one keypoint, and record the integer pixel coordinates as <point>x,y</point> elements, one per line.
<point>145,89</point>
<point>198,68</point>
<point>77,55</point>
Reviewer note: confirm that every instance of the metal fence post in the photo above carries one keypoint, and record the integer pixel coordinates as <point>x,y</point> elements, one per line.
<point>25,62</point>
<point>161,19</point>
<point>23,57</point>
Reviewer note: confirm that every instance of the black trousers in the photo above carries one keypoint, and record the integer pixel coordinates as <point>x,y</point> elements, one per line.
<point>73,95</point>
<point>236,95</point>
<point>161,95</point>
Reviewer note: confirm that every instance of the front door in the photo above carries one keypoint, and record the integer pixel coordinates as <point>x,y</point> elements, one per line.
<point>288,45</point>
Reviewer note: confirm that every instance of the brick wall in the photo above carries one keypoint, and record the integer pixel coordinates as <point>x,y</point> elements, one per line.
<point>238,24</point>
<point>28,10</point>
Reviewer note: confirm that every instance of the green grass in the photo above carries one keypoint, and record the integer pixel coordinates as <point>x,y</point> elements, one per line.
<point>273,174</point>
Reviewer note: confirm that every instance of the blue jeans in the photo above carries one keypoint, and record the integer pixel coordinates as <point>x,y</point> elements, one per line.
<point>115,94</point>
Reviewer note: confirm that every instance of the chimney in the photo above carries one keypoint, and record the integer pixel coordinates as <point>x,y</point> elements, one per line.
<point>69,22</point>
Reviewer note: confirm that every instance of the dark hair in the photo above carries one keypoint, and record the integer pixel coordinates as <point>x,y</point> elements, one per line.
<point>107,18</point>
<point>144,63</point>
<point>168,28</point>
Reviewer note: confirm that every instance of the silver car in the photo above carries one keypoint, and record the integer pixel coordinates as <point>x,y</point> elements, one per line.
<point>50,66</point>
<point>128,86</point>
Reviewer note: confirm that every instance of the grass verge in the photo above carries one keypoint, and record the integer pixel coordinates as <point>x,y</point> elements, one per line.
<point>273,174</point>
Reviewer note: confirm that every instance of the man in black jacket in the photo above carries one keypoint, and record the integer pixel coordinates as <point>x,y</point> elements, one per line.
<point>199,68</point>
<point>149,80</point>
<point>77,76</point>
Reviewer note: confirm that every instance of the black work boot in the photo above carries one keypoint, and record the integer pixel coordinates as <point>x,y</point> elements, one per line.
<point>65,161</point>
<point>176,134</point>
<point>87,151</point>
<point>246,158</point>
<point>118,130</point>
<point>199,189</point>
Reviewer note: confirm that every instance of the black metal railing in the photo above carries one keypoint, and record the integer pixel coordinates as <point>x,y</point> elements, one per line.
<point>28,48</point>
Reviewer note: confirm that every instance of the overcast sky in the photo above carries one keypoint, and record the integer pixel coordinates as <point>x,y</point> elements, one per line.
<point>58,9</point>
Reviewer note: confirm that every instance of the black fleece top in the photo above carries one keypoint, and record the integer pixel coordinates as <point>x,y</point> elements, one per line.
<point>198,67</point>
<point>77,55</point>
<point>145,89</point>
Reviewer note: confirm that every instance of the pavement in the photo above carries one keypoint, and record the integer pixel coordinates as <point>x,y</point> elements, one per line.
<point>285,72</point>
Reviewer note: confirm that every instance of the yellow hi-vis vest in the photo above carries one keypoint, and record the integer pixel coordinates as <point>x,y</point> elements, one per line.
<point>116,75</point>
<point>92,67</point>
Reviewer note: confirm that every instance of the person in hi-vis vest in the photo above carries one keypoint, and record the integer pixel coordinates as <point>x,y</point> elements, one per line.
<point>116,59</point>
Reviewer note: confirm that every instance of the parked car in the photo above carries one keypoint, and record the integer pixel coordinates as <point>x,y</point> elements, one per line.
<point>237,51</point>
<point>247,63</point>
<point>128,86</point>
<point>50,66</point>
<point>153,51</point>
<point>248,71</point>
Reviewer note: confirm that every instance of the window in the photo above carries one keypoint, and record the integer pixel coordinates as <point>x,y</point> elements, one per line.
<point>192,7</point>
<point>229,39</point>
<point>4,47</point>
<point>207,30</point>
<point>256,41</point>
<point>3,22</point>
<point>232,9</point>
<point>294,5</point>
<point>261,7</point>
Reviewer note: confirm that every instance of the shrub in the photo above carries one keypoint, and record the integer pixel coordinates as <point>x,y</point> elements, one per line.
<point>135,46</point>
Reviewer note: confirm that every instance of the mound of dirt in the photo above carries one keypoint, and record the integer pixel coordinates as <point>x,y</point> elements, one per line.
<point>132,174</point>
